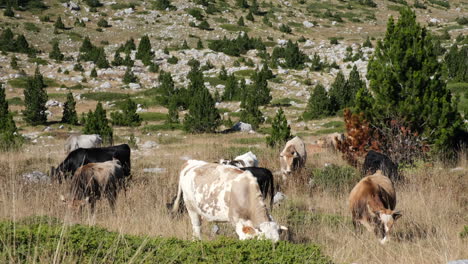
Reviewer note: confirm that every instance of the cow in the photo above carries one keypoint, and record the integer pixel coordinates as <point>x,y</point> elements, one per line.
<point>331,141</point>
<point>81,156</point>
<point>293,156</point>
<point>377,161</point>
<point>372,202</point>
<point>93,180</point>
<point>264,179</point>
<point>245,160</point>
<point>82,141</point>
<point>222,193</point>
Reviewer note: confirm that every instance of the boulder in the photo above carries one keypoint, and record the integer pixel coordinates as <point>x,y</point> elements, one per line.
<point>36,176</point>
<point>242,127</point>
<point>134,86</point>
<point>106,85</point>
<point>308,24</point>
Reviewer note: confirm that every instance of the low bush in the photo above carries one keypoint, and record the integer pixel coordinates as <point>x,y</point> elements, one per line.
<point>36,238</point>
<point>335,177</point>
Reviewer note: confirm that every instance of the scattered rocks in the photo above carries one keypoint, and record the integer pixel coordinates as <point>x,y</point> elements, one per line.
<point>106,85</point>
<point>149,144</point>
<point>36,176</point>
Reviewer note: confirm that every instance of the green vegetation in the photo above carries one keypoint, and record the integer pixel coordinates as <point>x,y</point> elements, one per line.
<point>35,98</point>
<point>319,104</point>
<point>162,5</point>
<point>281,131</point>
<point>144,52</point>
<point>464,232</point>
<point>104,96</point>
<point>335,177</point>
<point>248,141</point>
<point>153,116</point>
<point>8,43</point>
<point>237,46</point>
<point>39,237</point>
<point>442,3</point>
<point>96,123</point>
<point>69,115</point>
<point>31,27</point>
<point>161,127</point>
<point>231,27</point>
<point>56,54</point>
<point>89,52</point>
<point>9,138</point>
<point>128,115</point>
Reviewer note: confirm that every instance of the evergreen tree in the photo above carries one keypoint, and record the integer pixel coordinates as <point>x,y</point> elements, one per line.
<point>251,113</point>
<point>204,25</point>
<point>240,22</point>
<point>128,116</point>
<point>93,73</point>
<point>56,54</point>
<point>353,85</point>
<point>281,131</point>
<point>166,87</point>
<point>103,23</point>
<point>173,114</point>
<point>185,45</point>
<point>231,90</point>
<point>129,77</point>
<point>86,45</point>
<point>294,57</point>
<point>128,61</point>
<point>250,16</point>
<point>69,115</point>
<point>223,75</point>
<point>35,98</point>
<point>162,5</point>
<point>118,61</point>
<point>339,93</point>
<point>6,40</point>
<point>457,61</point>
<point>200,44</point>
<point>97,123</point>
<point>260,85</point>
<point>242,3</point>
<point>14,63</point>
<point>407,85</point>
<point>203,115</point>
<point>59,24</point>
<point>144,50</point>
<point>319,104</point>
<point>9,138</point>
<point>8,11</point>
<point>101,61</point>
<point>367,43</point>
<point>254,8</point>
<point>22,45</point>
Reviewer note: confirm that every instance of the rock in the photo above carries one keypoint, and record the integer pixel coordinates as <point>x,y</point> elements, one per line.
<point>242,127</point>
<point>85,19</point>
<point>154,170</point>
<point>149,144</point>
<point>282,42</point>
<point>73,6</point>
<point>47,129</point>
<point>457,169</point>
<point>50,103</point>
<point>106,85</point>
<point>134,86</point>
<point>128,11</point>
<point>282,71</point>
<point>308,24</point>
<point>36,176</point>
<point>61,127</point>
<point>434,21</point>
<point>460,261</point>
<point>334,23</point>
<point>185,158</point>
<point>215,229</point>
<point>279,197</point>
<point>309,43</point>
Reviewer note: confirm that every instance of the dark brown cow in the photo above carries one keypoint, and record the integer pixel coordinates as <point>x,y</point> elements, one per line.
<point>91,181</point>
<point>372,202</point>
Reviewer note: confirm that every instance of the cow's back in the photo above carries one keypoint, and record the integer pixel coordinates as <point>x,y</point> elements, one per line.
<point>298,145</point>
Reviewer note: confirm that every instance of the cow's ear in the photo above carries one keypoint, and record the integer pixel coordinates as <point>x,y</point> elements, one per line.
<point>248,230</point>
<point>396,215</point>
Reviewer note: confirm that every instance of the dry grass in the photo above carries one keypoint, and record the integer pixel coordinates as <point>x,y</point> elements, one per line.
<point>434,202</point>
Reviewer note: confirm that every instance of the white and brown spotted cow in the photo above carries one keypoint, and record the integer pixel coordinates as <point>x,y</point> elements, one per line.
<point>220,193</point>
<point>372,202</point>
<point>293,156</point>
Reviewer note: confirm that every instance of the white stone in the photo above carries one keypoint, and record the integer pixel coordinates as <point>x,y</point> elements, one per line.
<point>149,144</point>
<point>51,102</point>
<point>106,85</point>
<point>36,176</point>
<point>279,197</point>
<point>282,42</point>
<point>308,24</point>
<point>242,127</point>
<point>309,43</point>
<point>134,86</point>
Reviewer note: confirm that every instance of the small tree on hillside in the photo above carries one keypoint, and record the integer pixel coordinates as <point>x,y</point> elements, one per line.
<point>128,116</point>
<point>93,73</point>
<point>231,91</point>
<point>144,51</point>
<point>129,77</point>
<point>8,11</point>
<point>339,93</point>
<point>69,115</point>
<point>260,85</point>
<point>35,98</point>
<point>251,113</point>
<point>59,24</point>
<point>281,131</point>
<point>354,84</point>
<point>9,138</point>
<point>166,87</point>
<point>240,22</point>
<point>56,54</point>
<point>173,113</point>
<point>319,104</point>
<point>97,123</point>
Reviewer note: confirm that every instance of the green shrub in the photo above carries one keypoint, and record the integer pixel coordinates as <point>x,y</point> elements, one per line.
<point>36,239</point>
<point>31,27</point>
<point>128,115</point>
<point>196,13</point>
<point>464,232</point>
<point>442,3</point>
<point>104,96</point>
<point>281,131</point>
<point>285,28</point>
<point>153,116</point>
<point>335,177</point>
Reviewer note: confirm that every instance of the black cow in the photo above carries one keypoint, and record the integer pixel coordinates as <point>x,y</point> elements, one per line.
<point>377,161</point>
<point>264,179</point>
<point>82,156</point>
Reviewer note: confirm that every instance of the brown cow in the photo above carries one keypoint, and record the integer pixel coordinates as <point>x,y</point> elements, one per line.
<point>92,180</point>
<point>372,202</point>
<point>293,156</point>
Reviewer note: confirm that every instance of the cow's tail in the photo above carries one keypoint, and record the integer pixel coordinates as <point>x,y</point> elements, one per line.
<point>272,192</point>
<point>177,202</point>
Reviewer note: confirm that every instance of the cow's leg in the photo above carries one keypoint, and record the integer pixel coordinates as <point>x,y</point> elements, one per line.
<point>196,223</point>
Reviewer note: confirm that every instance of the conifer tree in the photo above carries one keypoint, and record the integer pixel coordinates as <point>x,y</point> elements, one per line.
<point>118,61</point>
<point>260,85</point>
<point>223,75</point>
<point>353,85</point>
<point>200,44</point>
<point>367,43</point>
<point>22,45</point>
<point>254,8</point>
<point>101,61</point>
<point>250,16</point>
<point>59,24</point>
<point>69,115</point>
<point>7,42</point>
<point>9,138</point>
<point>407,85</point>
<point>86,45</point>
<point>339,93</point>
<point>281,131</point>
<point>35,98</point>
<point>240,22</point>
<point>457,61</point>
<point>128,116</point>
<point>203,115</point>
<point>294,57</point>
<point>185,45</point>
<point>319,104</point>
<point>93,73</point>
<point>129,77</point>
<point>144,50</point>
<point>231,90</point>
<point>97,123</point>
<point>56,54</point>
<point>242,3</point>
<point>14,63</point>
<point>8,11</point>
<point>251,113</point>
<point>173,114</point>
<point>166,87</point>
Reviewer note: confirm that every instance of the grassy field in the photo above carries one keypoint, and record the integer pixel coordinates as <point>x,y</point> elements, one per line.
<point>433,200</point>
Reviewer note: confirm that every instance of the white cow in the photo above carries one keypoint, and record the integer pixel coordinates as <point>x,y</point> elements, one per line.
<point>245,160</point>
<point>82,141</point>
<point>293,156</point>
<point>221,193</point>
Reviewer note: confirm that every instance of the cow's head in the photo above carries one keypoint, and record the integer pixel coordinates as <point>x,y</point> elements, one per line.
<point>271,230</point>
<point>289,160</point>
<point>385,220</point>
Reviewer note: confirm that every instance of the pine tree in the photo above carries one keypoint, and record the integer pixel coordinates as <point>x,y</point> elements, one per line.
<point>129,77</point>
<point>166,87</point>
<point>101,61</point>
<point>407,86</point>
<point>59,24</point>
<point>354,84</point>
<point>93,73</point>
<point>173,114</point>
<point>8,11</point>
<point>456,61</point>
<point>6,40</point>
<point>118,61</point>
<point>185,45</point>
<point>254,8</point>
<point>223,74</point>
<point>367,43</point>
<point>86,45</point>
<point>9,138</point>
<point>14,63</point>
<point>162,5</point>
<point>56,54</point>
<point>103,23</point>
<point>144,50</point>
<point>281,131</point>
<point>339,94</point>
<point>200,44</point>
<point>240,22</point>
<point>260,85</point>
<point>22,45</point>
<point>250,16</point>
<point>242,3</point>
<point>97,123</point>
<point>294,57</point>
<point>35,98</point>
<point>128,116</point>
<point>231,90</point>
<point>69,115</point>
<point>251,113</point>
<point>319,104</point>
<point>203,115</point>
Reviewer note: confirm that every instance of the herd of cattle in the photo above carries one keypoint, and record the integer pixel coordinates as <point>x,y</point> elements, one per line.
<point>227,191</point>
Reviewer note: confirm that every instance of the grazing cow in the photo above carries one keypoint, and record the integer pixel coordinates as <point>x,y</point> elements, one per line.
<point>293,156</point>
<point>377,161</point>
<point>81,156</point>
<point>82,141</point>
<point>372,202</point>
<point>92,180</point>
<point>245,160</point>
<point>225,194</point>
<point>264,179</point>
<point>331,140</point>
